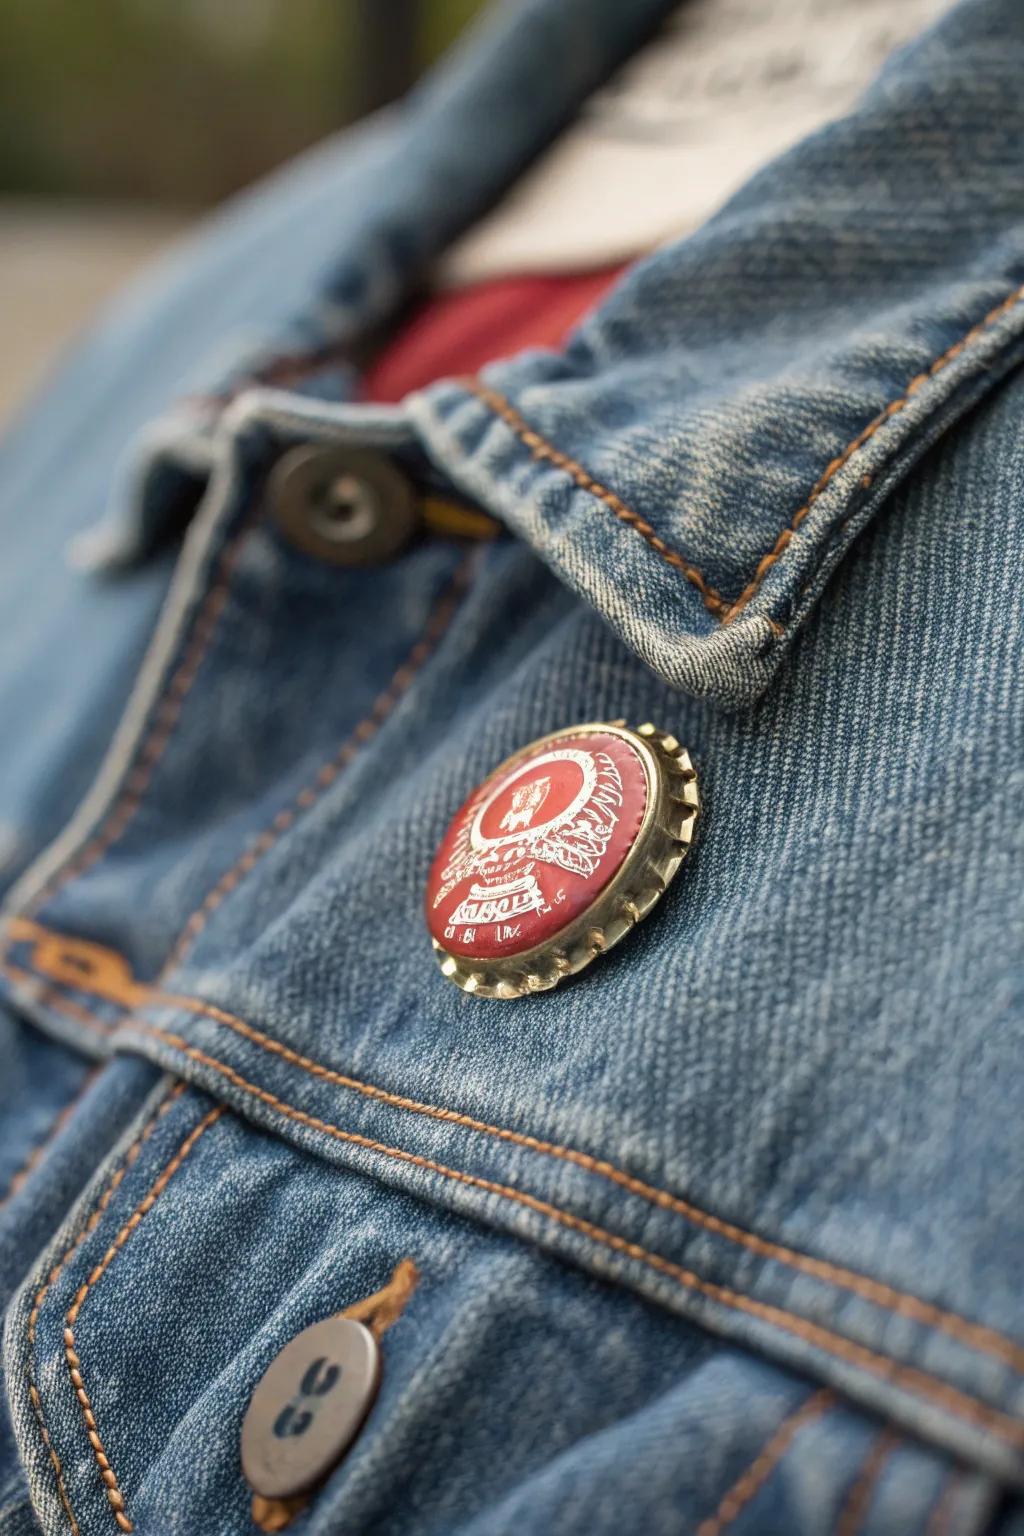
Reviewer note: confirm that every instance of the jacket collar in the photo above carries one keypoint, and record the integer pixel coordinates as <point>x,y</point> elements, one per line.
<point>699,459</point>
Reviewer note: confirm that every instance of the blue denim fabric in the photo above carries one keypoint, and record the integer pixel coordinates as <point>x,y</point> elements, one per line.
<point>727,1234</point>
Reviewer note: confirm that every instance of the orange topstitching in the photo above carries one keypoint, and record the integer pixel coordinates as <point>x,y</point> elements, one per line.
<point>39,1150</point>
<point>115,1498</point>
<point>892,409</point>
<point>940,1522</point>
<point>858,1501</point>
<point>754,1477</point>
<point>50,997</point>
<point>977,1335</point>
<point>405,675</point>
<point>138,995</point>
<point>908,1378</point>
<point>40,1296</point>
<point>541,449</point>
<point>161,728</point>
<point>721,607</point>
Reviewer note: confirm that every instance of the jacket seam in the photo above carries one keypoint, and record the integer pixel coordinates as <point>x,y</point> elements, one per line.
<point>33,1317</point>
<point>52,997</point>
<point>941,1517</point>
<point>892,409</point>
<point>752,1479</point>
<point>855,1506</point>
<point>41,1147</point>
<point>112,1487</point>
<point>975,1335</point>
<point>165,713</point>
<point>724,609</point>
<point>909,1378</point>
<point>915,1382</point>
<point>436,627</point>
<point>544,451</point>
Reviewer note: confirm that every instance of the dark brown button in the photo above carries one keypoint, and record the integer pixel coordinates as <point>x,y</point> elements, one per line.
<point>309,1407</point>
<point>345,505</point>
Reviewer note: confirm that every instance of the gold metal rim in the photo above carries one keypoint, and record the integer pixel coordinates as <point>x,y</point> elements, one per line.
<point>662,842</point>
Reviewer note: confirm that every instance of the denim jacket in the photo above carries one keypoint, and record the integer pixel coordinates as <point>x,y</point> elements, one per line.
<point>727,1234</point>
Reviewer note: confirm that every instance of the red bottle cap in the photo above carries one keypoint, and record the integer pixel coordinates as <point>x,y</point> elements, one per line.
<point>559,852</point>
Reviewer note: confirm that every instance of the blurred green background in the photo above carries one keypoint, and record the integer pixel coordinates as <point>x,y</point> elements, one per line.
<point>121,120</point>
<point>182,101</point>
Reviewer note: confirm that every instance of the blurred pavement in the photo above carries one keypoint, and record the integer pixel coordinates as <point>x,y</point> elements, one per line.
<point>58,263</point>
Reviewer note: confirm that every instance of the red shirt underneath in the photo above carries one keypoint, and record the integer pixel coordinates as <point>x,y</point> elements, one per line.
<point>458,332</point>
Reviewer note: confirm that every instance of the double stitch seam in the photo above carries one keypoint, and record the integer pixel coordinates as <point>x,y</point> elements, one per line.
<point>50,997</point>
<point>110,1483</point>
<point>436,627</point>
<point>721,607</point>
<point>940,1522</point>
<point>163,720</point>
<point>90,1226</point>
<point>975,1335</point>
<point>858,1501</point>
<point>753,1478</point>
<point>54,1129</point>
<point>892,409</point>
<point>908,1378</point>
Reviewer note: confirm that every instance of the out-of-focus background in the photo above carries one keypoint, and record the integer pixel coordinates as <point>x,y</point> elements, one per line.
<point>122,120</point>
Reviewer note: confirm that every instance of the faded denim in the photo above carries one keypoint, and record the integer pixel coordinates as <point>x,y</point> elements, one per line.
<point>727,1234</point>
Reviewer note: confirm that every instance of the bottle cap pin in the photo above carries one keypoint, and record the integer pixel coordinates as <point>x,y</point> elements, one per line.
<point>557,855</point>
